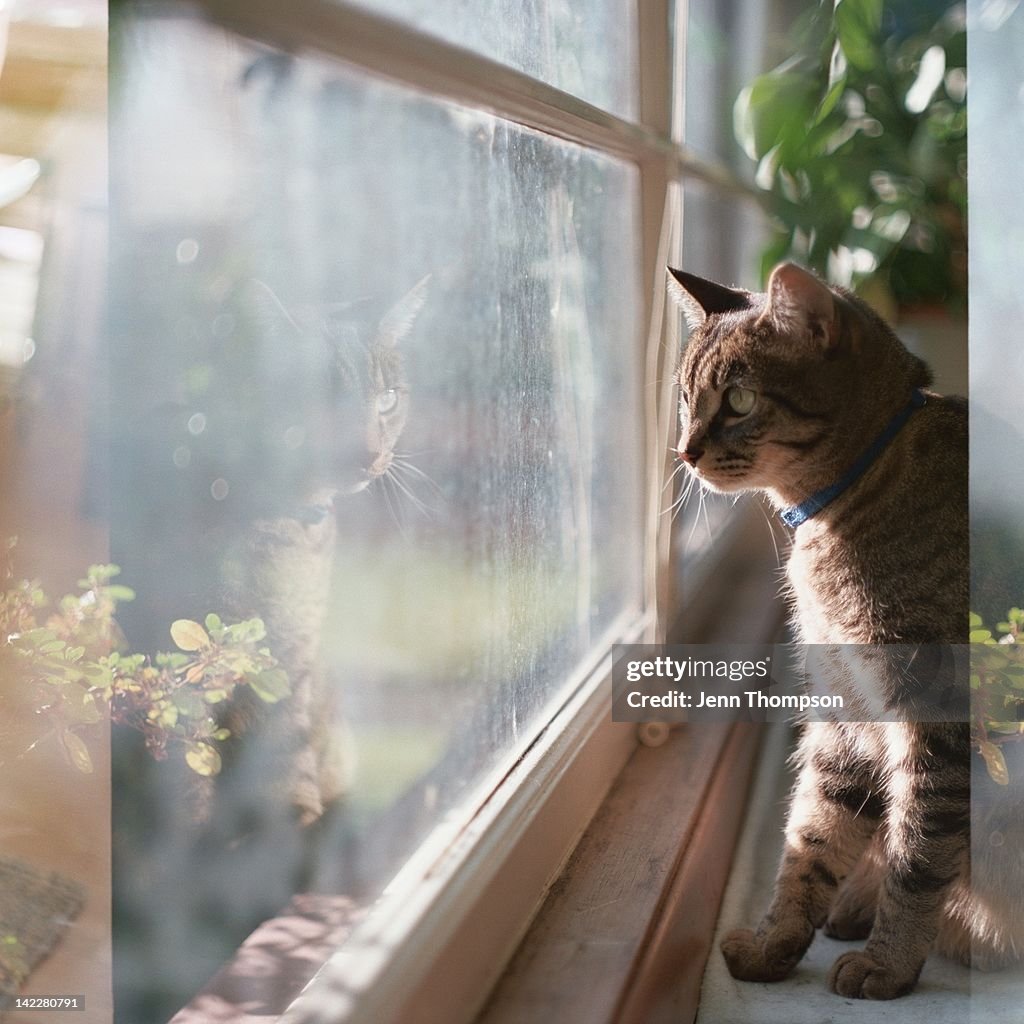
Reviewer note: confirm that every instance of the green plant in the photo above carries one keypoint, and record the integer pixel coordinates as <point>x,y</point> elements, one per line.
<point>861,143</point>
<point>997,688</point>
<point>66,665</point>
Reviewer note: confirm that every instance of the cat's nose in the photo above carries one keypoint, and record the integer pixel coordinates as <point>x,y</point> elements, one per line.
<point>380,465</point>
<point>690,454</point>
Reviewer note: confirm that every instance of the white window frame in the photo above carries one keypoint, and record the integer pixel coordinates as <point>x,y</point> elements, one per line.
<point>439,938</point>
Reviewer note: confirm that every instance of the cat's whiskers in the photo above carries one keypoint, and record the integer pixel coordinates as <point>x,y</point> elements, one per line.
<point>680,501</point>
<point>671,477</point>
<point>403,488</point>
<point>387,481</point>
<point>407,482</point>
<point>401,476</point>
<point>407,456</point>
<point>704,511</point>
<point>696,519</point>
<point>677,501</point>
<point>401,462</point>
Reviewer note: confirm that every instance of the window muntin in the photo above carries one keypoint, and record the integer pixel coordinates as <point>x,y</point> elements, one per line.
<point>586,50</point>
<point>449,629</point>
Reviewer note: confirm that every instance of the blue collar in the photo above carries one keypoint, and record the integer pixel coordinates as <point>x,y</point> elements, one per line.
<point>816,502</point>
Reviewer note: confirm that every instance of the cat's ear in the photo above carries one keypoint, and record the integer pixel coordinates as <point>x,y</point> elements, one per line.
<point>801,305</point>
<point>266,309</point>
<point>398,320</point>
<point>698,298</point>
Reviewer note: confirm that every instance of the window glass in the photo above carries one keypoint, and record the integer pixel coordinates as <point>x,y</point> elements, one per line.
<point>586,49</point>
<point>375,380</point>
<point>722,239</point>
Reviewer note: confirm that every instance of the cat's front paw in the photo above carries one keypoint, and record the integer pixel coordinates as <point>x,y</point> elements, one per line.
<point>859,976</point>
<point>850,922</point>
<point>753,956</point>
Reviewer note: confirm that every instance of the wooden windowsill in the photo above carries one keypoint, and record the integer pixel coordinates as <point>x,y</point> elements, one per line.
<point>625,933</point>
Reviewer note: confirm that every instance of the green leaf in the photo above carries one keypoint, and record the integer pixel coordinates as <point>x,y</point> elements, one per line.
<point>835,86</point>
<point>189,635</point>
<point>974,619</point>
<point>36,637</point>
<point>203,759</point>
<point>270,685</point>
<point>980,636</point>
<point>856,24</point>
<point>120,593</point>
<point>249,631</point>
<point>1004,728</point>
<point>775,110</point>
<point>213,622</point>
<point>829,101</point>
<point>168,716</point>
<point>189,703</point>
<point>995,762</point>
<point>173,660</point>
<point>76,752</point>
<point>215,696</point>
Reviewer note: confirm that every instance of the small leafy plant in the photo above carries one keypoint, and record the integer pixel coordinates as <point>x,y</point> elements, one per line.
<point>67,664</point>
<point>997,689</point>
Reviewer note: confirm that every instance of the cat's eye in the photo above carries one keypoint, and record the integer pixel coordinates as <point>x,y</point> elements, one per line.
<point>740,401</point>
<point>387,401</point>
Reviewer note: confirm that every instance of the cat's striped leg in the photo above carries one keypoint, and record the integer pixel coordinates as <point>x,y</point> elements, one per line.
<point>833,814</point>
<point>928,829</point>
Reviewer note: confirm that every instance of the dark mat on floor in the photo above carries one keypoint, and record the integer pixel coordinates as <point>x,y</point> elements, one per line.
<point>35,908</point>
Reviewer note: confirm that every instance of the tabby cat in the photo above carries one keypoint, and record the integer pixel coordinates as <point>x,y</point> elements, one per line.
<point>805,394</point>
<point>346,414</point>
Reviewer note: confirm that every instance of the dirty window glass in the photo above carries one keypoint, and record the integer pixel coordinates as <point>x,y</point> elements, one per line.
<point>585,49</point>
<point>375,473</point>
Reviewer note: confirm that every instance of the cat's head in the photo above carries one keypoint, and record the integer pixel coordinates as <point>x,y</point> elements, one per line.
<point>775,386</point>
<point>338,394</point>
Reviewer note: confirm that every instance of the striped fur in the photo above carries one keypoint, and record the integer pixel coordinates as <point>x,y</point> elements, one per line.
<point>879,830</point>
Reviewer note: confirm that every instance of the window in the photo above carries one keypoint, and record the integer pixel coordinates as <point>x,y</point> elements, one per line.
<point>379,369</point>
<point>380,361</point>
